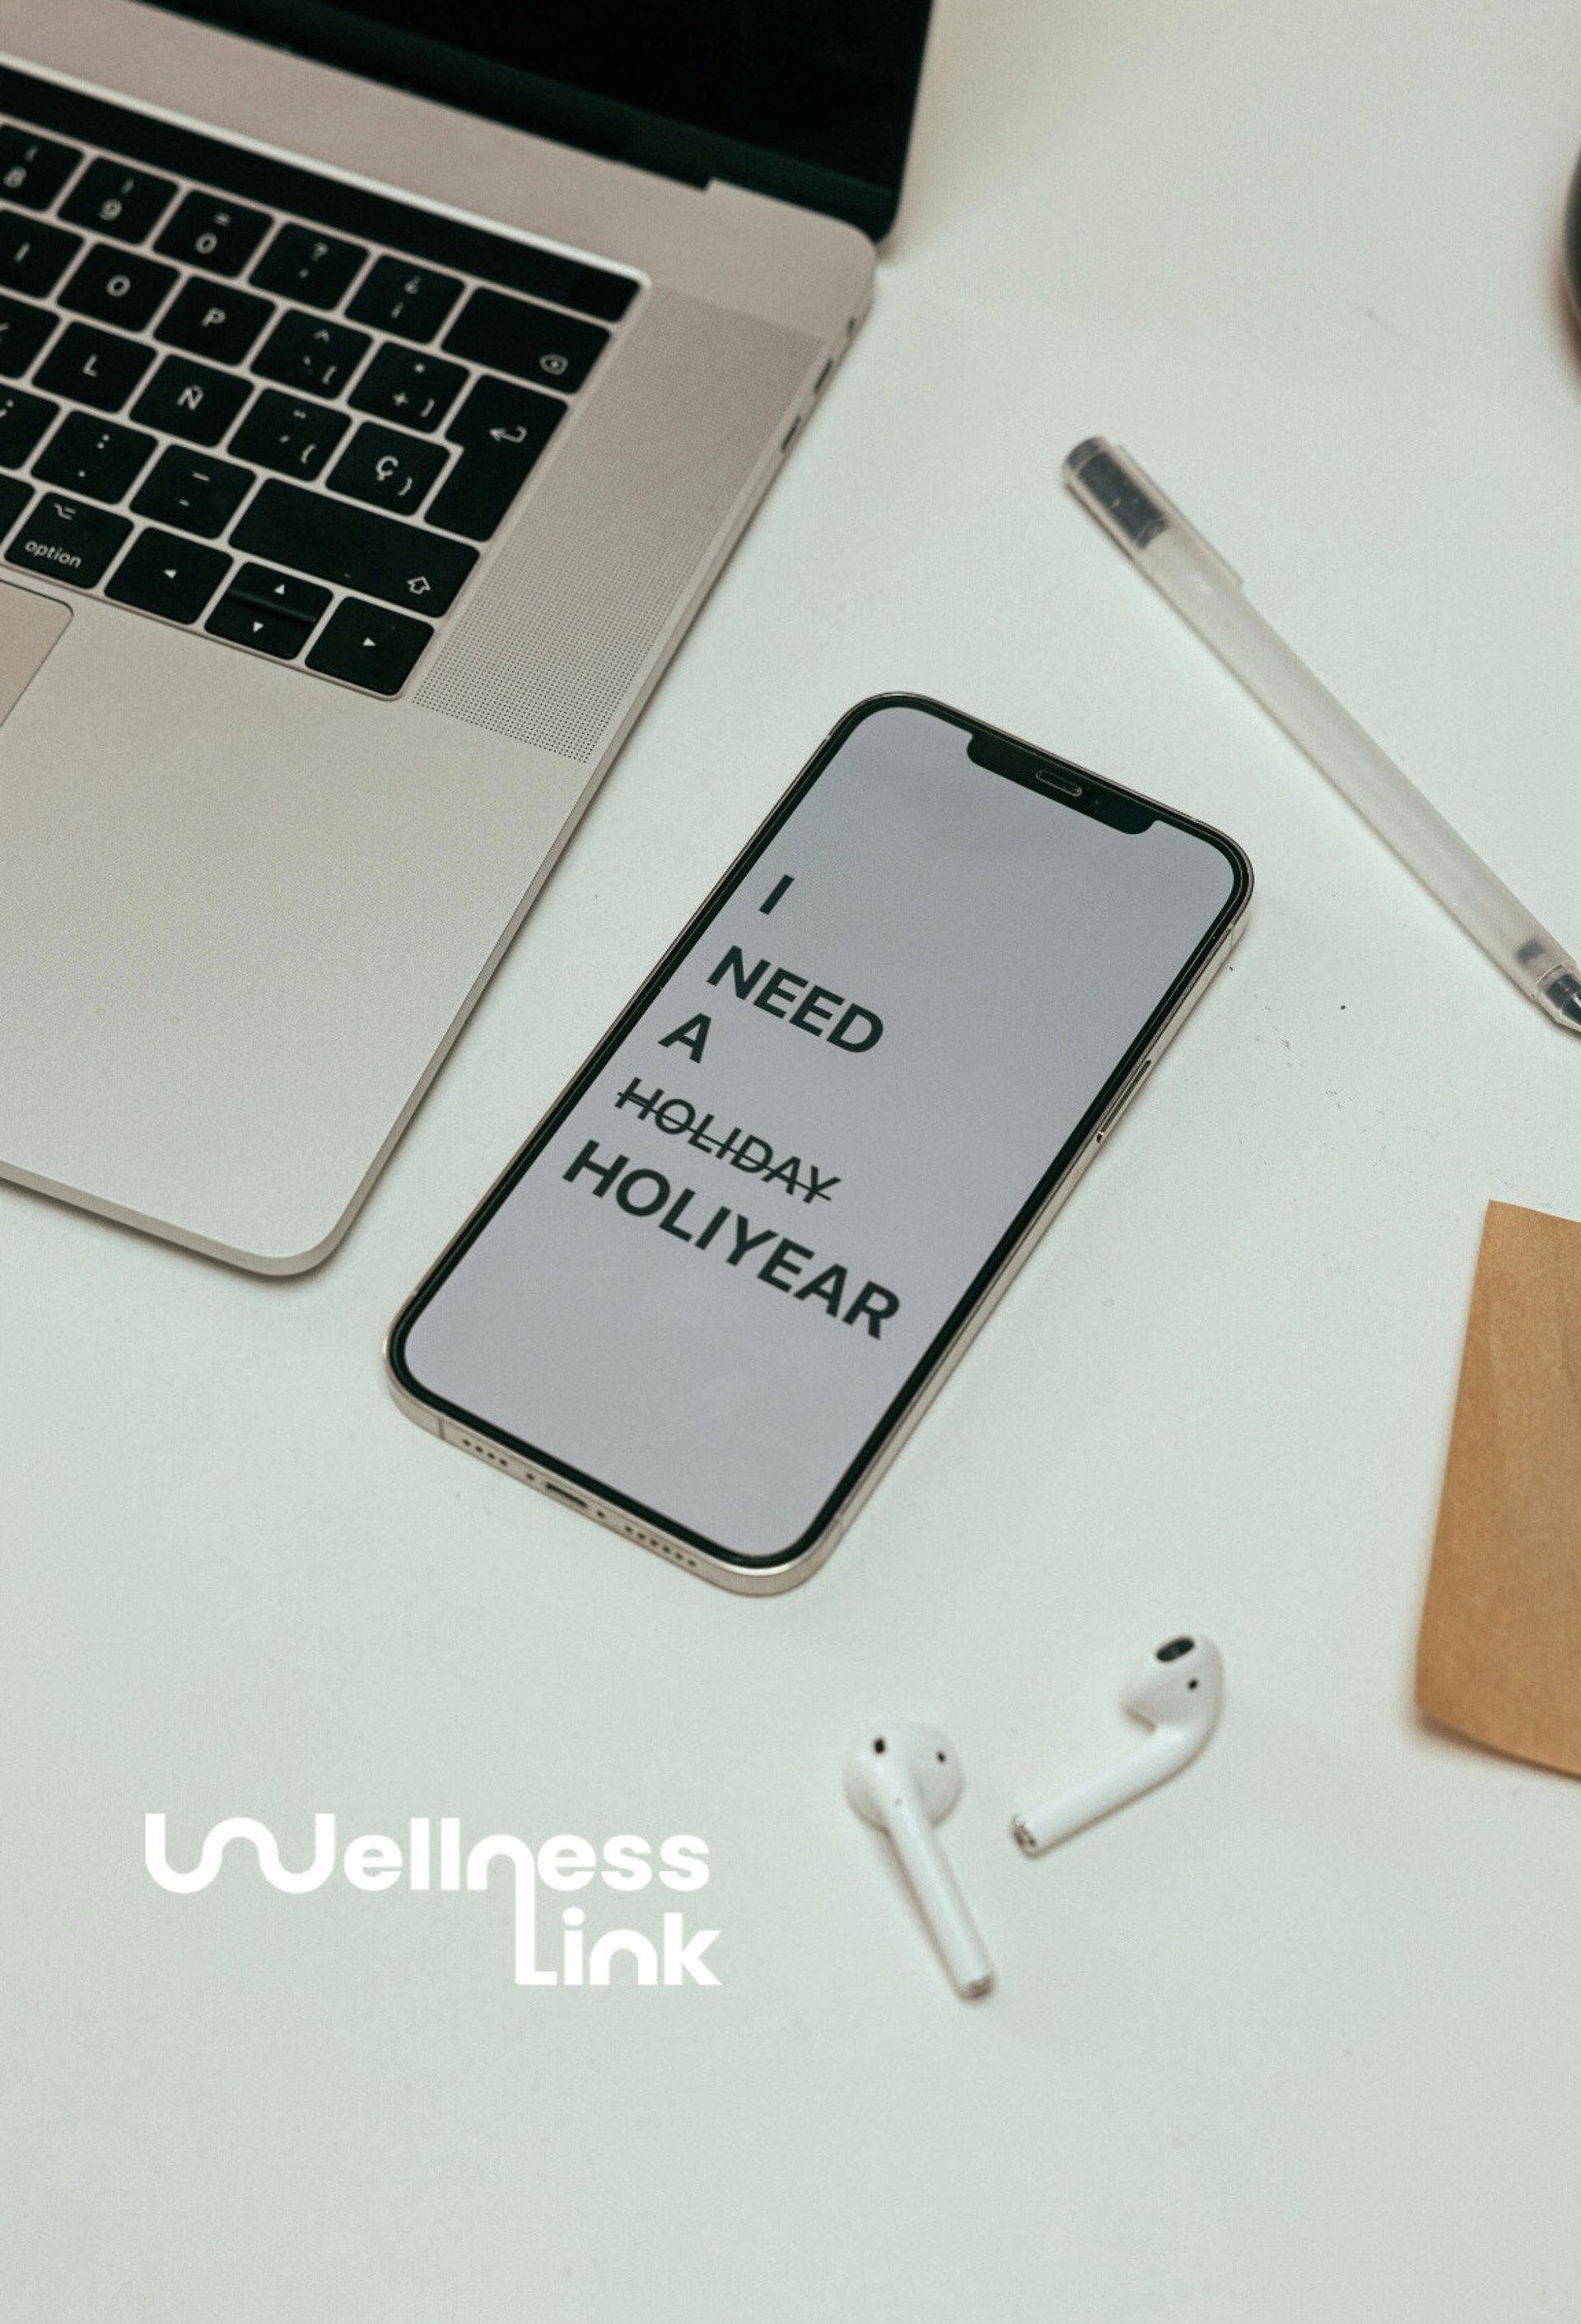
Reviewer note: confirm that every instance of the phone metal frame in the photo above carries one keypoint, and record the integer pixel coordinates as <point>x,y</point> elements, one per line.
<point>648,1528</point>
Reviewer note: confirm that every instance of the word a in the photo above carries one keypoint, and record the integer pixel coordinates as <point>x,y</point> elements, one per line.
<point>643,1193</point>
<point>677,1116</point>
<point>374,1862</point>
<point>859,1029</point>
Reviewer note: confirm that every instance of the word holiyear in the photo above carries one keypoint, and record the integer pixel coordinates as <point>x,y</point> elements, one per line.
<point>643,1193</point>
<point>373,1862</point>
<point>677,1117</point>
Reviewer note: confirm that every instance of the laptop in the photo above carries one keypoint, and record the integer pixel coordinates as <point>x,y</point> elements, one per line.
<point>383,383</point>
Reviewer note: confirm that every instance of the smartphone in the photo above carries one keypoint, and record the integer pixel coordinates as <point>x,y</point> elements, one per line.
<point>720,1282</point>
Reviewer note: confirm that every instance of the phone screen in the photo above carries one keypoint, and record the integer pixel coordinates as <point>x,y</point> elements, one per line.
<point>736,1249</point>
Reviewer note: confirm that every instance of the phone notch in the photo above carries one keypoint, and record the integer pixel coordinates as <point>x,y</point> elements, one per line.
<point>1088,794</point>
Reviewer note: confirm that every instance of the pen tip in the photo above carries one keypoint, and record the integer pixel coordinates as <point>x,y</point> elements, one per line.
<point>1561,997</point>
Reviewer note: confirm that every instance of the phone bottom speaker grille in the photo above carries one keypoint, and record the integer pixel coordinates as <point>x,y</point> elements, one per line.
<point>510,1466</point>
<point>490,1453</point>
<point>651,1541</point>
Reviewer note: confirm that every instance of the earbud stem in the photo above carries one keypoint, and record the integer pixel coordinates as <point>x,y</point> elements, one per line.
<point>938,1900</point>
<point>1163,1755</point>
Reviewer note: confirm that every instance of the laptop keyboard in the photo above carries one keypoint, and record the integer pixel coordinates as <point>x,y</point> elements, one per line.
<point>244,397</point>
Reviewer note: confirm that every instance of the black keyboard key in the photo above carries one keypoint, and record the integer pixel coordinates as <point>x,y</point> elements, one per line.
<point>211,232</point>
<point>95,457</point>
<point>23,332</point>
<point>114,287</point>
<point>283,593</point>
<point>301,351</point>
<point>412,301</point>
<point>160,574</point>
<point>387,470</point>
<point>14,497</point>
<point>378,555</point>
<point>415,391</point>
<point>503,429</point>
<point>211,319</point>
<point>479,489</point>
<point>33,256</point>
<point>569,282</point>
<point>302,263</point>
<point>68,541</point>
<point>115,200</point>
<point>528,342</point>
<point>191,490</point>
<point>370,645</point>
<point>94,367</point>
<point>499,413</point>
<point>246,622</point>
<point>22,421</point>
<point>187,398</point>
<point>34,169</point>
<point>296,437</point>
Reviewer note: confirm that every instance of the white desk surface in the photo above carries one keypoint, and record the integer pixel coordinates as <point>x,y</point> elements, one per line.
<point>1296,2039</point>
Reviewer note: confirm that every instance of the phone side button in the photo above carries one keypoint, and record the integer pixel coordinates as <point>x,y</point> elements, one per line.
<point>1121,1102</point>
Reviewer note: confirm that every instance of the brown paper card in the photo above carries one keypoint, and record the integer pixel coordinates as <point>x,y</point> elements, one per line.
<point>1499,1652</point>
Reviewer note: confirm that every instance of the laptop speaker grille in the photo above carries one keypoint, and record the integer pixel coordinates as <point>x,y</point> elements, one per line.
<point>634,502</point>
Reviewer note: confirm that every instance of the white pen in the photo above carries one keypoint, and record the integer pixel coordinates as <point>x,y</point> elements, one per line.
<point>1200,585</point>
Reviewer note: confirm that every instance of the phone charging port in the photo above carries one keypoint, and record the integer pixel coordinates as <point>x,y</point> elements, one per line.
<point>564,1493</point>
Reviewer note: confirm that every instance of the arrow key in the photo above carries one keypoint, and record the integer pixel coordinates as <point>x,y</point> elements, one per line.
<point>244,622</point>
<point>280,592</point>
<point>160,573</point>
<point>369,646</point>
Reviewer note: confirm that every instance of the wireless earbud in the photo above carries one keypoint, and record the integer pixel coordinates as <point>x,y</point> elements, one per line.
<point>906,1780</point>
<point>1177,1690</point>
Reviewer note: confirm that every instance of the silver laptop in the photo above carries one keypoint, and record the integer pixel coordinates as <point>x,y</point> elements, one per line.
<point>381,385</point>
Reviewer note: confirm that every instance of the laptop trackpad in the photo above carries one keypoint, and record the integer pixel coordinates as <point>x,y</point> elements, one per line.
<point>29,626</point>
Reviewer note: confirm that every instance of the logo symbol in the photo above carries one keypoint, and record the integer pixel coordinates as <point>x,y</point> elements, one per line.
<point>553,365</point>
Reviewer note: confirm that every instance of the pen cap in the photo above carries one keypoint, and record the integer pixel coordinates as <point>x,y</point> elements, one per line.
<point>1133,512</point>
<point>1207,592</point>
